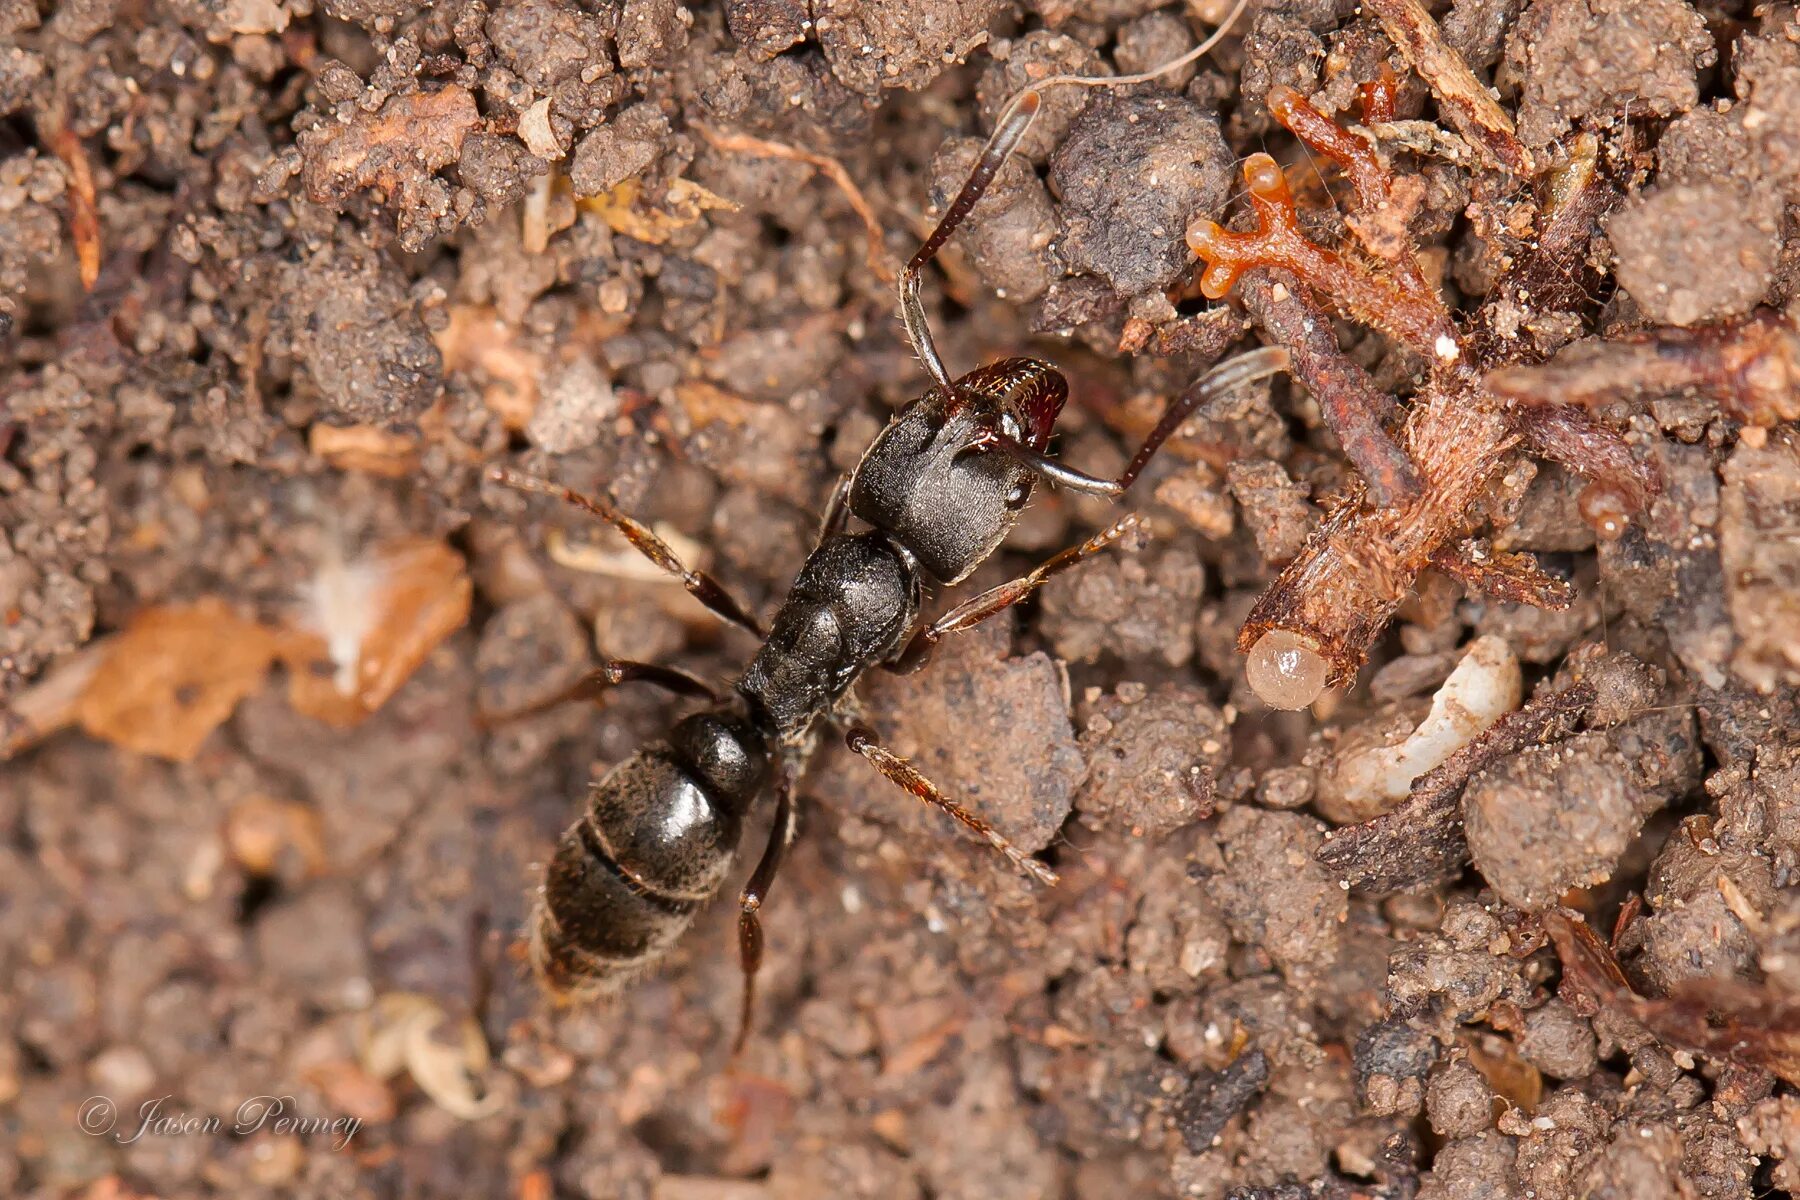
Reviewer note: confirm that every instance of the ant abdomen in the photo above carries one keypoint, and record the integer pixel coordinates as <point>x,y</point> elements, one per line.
<point>657,838</point>
<point>938,489</point>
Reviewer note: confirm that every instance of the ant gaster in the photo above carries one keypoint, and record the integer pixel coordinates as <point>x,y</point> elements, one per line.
<point>936,493</point>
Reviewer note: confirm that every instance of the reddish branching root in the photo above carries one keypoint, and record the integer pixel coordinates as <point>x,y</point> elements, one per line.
<point>1396,300</point>
<point>1420,494</point>
<point>1379,283</point>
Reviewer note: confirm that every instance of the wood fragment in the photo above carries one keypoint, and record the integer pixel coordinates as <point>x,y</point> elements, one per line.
<point>1360,566</point>
<point>1511,576</point>
<point>1334,599</point>
<point>1357,411</point>
<point>1465,101</point>
<point>534,213</point>
<point>1746,1024</point>
<point>1206,335</point>
<point>1569,436</point>
<point>1751,367</point>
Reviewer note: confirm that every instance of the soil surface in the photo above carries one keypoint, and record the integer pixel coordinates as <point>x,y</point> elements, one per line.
<point>280,280</point>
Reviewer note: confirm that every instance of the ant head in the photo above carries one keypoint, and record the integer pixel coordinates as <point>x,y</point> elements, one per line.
<point>938,478</point>
<point>1019,397</point>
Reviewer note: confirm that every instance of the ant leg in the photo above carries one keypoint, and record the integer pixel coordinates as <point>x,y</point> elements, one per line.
<point>861,739</point>
<point>610,674</point>
<point>750,900</point>
<point>837,511</point>
<point>700,585</point>
<point>998,599</point>
<point>1223,378</point>
<point>1006,135</point>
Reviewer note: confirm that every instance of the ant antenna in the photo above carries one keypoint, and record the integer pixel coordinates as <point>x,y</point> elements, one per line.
<point>1014,120</point>
<point>1011,127</point>
<point>1174,64</point>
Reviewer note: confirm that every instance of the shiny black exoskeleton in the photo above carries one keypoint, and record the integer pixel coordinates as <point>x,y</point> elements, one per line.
<point>661,829</point>
<point>935,493</point>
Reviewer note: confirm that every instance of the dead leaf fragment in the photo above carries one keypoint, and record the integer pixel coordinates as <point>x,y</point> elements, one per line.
<point>707,404</point>
<point>173,676</point>
<point>477,339</point>
<point>370,623</point>
<point>681,206</point>
<point>1749,1024</point>
<point>366,448</point>
<point>1507,1072</point>
<point>262,832</point>
<point>447,1058</point>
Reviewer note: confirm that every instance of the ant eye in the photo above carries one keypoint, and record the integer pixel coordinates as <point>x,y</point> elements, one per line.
<point>1018,494</point>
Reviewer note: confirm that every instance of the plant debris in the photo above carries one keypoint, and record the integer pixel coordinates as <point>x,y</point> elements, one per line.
<point>281,284</point>
<point>173,675</point>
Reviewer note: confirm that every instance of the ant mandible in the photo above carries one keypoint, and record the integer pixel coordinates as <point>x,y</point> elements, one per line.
<point>937,491</point>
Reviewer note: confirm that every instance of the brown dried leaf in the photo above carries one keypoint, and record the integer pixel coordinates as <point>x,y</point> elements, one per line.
<point>1507,1073</point>
<point>388,612</point>
<point>681,206</point>
<point>173,676</point>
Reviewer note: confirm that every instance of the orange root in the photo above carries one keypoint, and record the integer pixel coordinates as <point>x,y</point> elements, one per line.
<point>1397,303</point>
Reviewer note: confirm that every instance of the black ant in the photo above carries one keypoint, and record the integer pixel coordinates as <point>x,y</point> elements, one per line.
<point>938,490</point>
